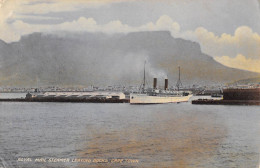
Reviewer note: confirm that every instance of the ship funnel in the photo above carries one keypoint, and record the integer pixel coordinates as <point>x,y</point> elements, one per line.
<point>166,84</point>
<point>154,83</point>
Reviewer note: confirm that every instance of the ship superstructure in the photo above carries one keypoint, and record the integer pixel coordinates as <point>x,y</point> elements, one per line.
<point>157,96</point>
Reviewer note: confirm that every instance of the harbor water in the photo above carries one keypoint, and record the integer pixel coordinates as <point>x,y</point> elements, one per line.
<point>183,135</point>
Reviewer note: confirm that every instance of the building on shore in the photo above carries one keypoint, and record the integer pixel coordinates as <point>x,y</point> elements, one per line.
<point>80,95</point>
<point>231,96</point>
<point>241,94</point>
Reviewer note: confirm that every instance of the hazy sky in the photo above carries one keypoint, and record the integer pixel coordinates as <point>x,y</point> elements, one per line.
<point>228,30</point>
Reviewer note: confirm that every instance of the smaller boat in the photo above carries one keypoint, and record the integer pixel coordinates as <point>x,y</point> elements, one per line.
<point>216,95</point>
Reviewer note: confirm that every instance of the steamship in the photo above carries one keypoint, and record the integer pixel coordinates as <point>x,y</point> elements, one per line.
<point>157,96</point>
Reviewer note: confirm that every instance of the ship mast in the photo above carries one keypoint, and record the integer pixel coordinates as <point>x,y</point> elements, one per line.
<point>179,80</point>
<point>144,78</point>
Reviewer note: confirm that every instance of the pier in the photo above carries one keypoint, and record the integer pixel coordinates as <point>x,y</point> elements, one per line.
<point>226,102</point>
<point>63,100</point>
<point>234,97</point>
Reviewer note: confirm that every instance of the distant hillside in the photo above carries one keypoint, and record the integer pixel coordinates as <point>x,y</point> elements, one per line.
<point>99,59</point>
<point>247,81</point>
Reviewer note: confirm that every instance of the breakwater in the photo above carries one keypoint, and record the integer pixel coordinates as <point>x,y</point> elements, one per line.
<point>234,97</point>
<point>226,102</point>
<point>66,100</point>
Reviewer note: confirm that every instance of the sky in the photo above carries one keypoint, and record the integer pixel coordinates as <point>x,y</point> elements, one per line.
<point>227,30</point>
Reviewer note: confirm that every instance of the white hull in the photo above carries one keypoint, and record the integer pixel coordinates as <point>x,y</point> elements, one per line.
<point>145,99</point>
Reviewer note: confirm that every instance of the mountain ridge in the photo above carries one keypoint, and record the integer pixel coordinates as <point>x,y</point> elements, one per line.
<point>100,59</point>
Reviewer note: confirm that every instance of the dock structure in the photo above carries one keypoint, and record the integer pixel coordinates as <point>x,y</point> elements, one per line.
<point>241,94</point>
<point>80,97</point>
<point>234,97</point>
<point>63,100</point>
<point>226,102</point>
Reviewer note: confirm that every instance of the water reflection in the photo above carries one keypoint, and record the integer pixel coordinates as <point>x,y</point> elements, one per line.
<point>166,140</point>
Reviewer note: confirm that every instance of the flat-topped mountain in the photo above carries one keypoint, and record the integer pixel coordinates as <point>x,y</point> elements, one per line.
<point>100,59</point>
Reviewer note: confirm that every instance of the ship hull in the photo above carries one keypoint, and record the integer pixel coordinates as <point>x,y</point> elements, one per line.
<point>145,99</point>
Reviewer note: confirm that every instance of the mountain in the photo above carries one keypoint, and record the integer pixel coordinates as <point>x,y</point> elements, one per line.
<point>99,59</point>
<point>247,81</point>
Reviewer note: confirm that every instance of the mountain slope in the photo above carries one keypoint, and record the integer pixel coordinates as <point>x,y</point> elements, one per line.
<point>248,81</point>
<point>99,59</point>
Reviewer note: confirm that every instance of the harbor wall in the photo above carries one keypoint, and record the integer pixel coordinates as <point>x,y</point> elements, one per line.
<point>51,99</point>
<point>241,94</point>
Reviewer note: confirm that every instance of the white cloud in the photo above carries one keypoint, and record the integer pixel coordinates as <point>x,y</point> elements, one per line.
<point>6,11</point>
<point>241,50</point>
<point>240,62</point>
<point>243,42</point>
<point>83,24</point>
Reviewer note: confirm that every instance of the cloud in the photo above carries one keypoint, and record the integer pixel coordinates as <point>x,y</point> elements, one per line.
<point>33,17</point>
<point>240,50</point>
<point>83,24</point>
<point>53,6</point>
<point>240,62</point>
<point>80,25</point>
<point>6,12</point>
<point>163,23</point>
<point>244,41</point>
